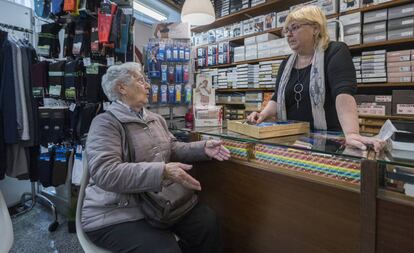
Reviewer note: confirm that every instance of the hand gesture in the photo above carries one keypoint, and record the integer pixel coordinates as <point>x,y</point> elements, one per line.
<point>216,150</point>
<point>177,173</point>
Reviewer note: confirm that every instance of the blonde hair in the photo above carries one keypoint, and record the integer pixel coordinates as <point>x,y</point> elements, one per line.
<point>314,15</point>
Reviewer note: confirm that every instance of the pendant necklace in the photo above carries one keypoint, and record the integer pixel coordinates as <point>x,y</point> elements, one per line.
<point>298,87</point>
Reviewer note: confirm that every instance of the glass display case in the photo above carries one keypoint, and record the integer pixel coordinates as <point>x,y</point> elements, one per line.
<point>363,188</point>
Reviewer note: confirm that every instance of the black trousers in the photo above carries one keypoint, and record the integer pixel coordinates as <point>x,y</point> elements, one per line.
<point>198,232</point>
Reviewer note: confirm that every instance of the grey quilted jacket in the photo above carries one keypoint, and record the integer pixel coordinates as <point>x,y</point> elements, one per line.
<point>111,195</point>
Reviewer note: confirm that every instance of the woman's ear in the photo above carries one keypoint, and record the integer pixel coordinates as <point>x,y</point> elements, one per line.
<point>121,89</point>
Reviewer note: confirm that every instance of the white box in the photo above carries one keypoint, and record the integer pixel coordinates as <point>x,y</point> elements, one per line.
<point>351,19</point>
<point>354,39</point>
<point>265,37</point>
<point>281,18</point>
<point>250,40</point>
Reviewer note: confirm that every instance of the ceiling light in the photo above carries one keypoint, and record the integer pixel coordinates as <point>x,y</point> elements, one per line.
<point>149,11</point>
<point>198,12</point>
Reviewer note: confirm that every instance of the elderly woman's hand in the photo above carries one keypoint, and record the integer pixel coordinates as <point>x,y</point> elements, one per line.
<point>216,150</point>
<point>361,142</point>
<point>176,172</point>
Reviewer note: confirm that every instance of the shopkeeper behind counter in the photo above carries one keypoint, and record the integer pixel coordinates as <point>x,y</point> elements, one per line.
<point>317,82</point>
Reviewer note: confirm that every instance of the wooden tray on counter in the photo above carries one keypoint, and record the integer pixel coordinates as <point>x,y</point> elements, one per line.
<point>268,129</point>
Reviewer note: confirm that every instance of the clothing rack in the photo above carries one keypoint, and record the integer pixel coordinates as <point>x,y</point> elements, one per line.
<point>34,194</point>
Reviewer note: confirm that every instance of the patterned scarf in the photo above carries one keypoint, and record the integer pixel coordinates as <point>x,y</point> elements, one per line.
<point>316,88</point>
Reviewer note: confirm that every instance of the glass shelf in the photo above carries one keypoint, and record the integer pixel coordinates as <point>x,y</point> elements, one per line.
<point>324,142</point>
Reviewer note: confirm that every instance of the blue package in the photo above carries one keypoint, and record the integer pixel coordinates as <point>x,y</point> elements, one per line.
<point>181,55</point>
<point>168,53</point>
<point>164,73</point>
<point>171,94</point>
<point>187,53</point>
<point>178,73</point>
<point>161,52</point>
<point>175,53</point>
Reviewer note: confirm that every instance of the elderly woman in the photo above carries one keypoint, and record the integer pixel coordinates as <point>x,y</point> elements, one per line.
<point>111,214</point>
<point>317,82</point>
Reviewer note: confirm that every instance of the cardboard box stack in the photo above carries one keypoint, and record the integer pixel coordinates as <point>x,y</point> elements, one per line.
<point>352,28</point>
<point>268,73</point>
<point>375,26</point>
<point>373,67</point>
<point>403,102</point>
<point>357,64</point>
<point>401,22</point>
<point>399,66</point>
<point>374,105</point>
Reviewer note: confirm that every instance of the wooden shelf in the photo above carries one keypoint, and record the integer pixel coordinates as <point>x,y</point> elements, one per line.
<point>269,6</point>
<point>244,90</point>
<point>378,85</point>
<point>383,43</point>
<point>246,62</point>
<point>387,117</point>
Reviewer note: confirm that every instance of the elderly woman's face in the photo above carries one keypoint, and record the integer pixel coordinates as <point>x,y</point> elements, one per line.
<point>300,35</point>
<point>136,93</point>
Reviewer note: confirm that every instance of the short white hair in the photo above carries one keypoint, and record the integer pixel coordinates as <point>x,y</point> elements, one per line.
<point>116,75</point>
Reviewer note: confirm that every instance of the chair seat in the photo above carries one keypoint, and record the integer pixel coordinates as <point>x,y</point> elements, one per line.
<point>6,228</point>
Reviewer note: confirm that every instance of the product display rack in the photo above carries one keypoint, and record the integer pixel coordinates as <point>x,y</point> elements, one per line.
<point>367,88</point>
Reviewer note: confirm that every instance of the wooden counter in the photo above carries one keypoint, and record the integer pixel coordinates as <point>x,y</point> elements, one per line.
<point>263,209</point>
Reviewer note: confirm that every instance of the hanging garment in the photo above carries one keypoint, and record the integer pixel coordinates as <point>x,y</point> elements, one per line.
<point>95,46</point>
<point>60,166</point>
<point>56,79</point>
<point>123,27</point>
<point>105,16</point>
<point>40,79</point>
<point>45,165</point>
<point>42,8</point>
<point>68,42</point>
<point>57,7</point>
<point>86,115</point>
<point>3,40</point>
<point>51,125</point>
<point>82,39</point>
<point>94,92</point>
<point>8,98</point>
<point>70,5</point>
<point>74,80</point>
<point>17,161</point>
<point>48,44</point>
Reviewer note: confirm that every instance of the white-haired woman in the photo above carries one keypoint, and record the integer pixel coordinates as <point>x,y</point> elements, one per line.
<point>317,82</point>
<point>111,214</point>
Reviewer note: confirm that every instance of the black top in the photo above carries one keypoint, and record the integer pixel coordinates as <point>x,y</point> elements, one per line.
<point>340,78</point>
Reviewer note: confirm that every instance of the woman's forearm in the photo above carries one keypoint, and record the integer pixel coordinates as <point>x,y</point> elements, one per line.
<point>270,110</point>
<point>346,108</point>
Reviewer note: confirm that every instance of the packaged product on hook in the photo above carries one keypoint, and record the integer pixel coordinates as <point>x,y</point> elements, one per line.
<point>164,73</point>
<point>171,73</point>
<point>171,94</point>
<point>178,88</point>
<point>178,73</point>
<point>164,95</point>
<point>154,93</point>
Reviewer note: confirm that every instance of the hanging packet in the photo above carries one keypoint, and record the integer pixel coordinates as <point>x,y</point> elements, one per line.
<point>171,94</point>
<point>154,94</point>
<point>178,88</point>
<point>168,50</point>
<point>105,16</point>
<point>171,73</point>
<point>186,74</point>
<point>181,54</point>
<point>179,73</point>
<point>42,8</point>
<point>164,94</point>
<point>188,94</point>
<point>164,73</point>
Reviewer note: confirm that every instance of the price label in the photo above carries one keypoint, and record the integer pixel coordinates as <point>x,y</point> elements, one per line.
<point>72,107</point>
<point>110,61</point>
<point>87,61</point>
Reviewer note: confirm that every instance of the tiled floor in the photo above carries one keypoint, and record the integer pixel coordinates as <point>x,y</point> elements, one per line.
<point>31,234</point>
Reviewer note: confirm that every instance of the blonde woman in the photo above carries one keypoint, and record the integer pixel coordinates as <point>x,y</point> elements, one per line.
<point>317,82</point>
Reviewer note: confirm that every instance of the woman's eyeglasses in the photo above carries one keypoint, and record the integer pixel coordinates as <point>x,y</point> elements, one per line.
<point>293,28</point>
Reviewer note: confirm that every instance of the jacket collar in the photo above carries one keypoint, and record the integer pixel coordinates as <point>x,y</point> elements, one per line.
<point>124,115</point>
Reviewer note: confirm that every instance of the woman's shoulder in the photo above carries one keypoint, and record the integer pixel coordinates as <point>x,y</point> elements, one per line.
<point>336,46</point>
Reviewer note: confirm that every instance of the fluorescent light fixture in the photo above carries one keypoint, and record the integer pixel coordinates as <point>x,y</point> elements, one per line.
<point>198,12</point>
<point>149,11</point>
